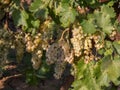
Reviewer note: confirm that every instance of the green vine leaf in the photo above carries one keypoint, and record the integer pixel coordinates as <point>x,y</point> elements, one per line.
<point>45,22</point>
<point>93,76</point>
<point>42,13</point>
<point>86,79</point>
<point>116,44</point>
<point>104,17</point>
<point>88,26</point>
<point>110,71</point>
<point>106,10</point>
<point>67,14</point>
<point>20,17</point>
<point>82,69</point>
<point>35,5</point>
<point>35,23</point>
<point>103,21</point>
<point>99,20</point>
<point>108,52</point>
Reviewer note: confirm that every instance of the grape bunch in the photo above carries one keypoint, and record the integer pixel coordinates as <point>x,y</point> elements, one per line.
<point>84,43</point>
<point>59,69</point>
<point>99,41</point>
<point>32,42</point>
<point>33,46</point>
<point>55,55</point>
<point>19,45</point>
<point>5,43</point>
<point>77,40</point>
<point>59,53</point>
<point>88,55</point>
<point>36,59</point>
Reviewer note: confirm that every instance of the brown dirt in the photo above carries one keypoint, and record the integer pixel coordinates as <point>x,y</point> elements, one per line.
<point>16,81</point>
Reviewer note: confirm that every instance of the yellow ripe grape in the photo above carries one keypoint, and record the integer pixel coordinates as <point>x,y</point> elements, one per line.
<point>39,52</point>
<point>97,58</point>
<point>33,48</point>
<point>39,56</point>
<point>89,43</point>
<point>12,47</point>
<point>37,41</point>
<point>28,49</point>
<point>69,58</point>
<point>113,33</point>
<point>36,59</point>
<point>27,37</point>
<point>38,35</point>
<point>30,43</point>
<point>87,57</point>
<point>96,38</point>
<point>86,45</point>
<point>86,52</point>
<point>98,46</point>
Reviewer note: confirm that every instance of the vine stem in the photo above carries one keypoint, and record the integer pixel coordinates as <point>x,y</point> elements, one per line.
<point>61,38</point>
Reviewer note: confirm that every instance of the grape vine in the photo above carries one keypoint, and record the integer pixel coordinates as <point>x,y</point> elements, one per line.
<point>80,33</point>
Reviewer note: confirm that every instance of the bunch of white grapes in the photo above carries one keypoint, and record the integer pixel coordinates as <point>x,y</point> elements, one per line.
<point>36,59</point>
<point>33,46</point>
<point>32,42</point>
<point>77,40</point>
<point>88,55</point>
<point>84,43</point>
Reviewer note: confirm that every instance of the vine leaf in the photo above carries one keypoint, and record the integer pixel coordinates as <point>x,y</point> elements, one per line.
<point>39,9</point>
<point>41,13</point>
<point>35,23</point>
<point>117,46</point>
<point>103,18</point>
<point>108,11</point>
<point>108,52</point>
<point>35,5</point>
<point>110,71</point>
<point>20,17</point>
<point>85,79</point>
<point>88,26</point>
<point>80,71</point>
<point>93,76</point>
<point>103,21</point>
<point>67,15</point>
<point>99,20</point>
